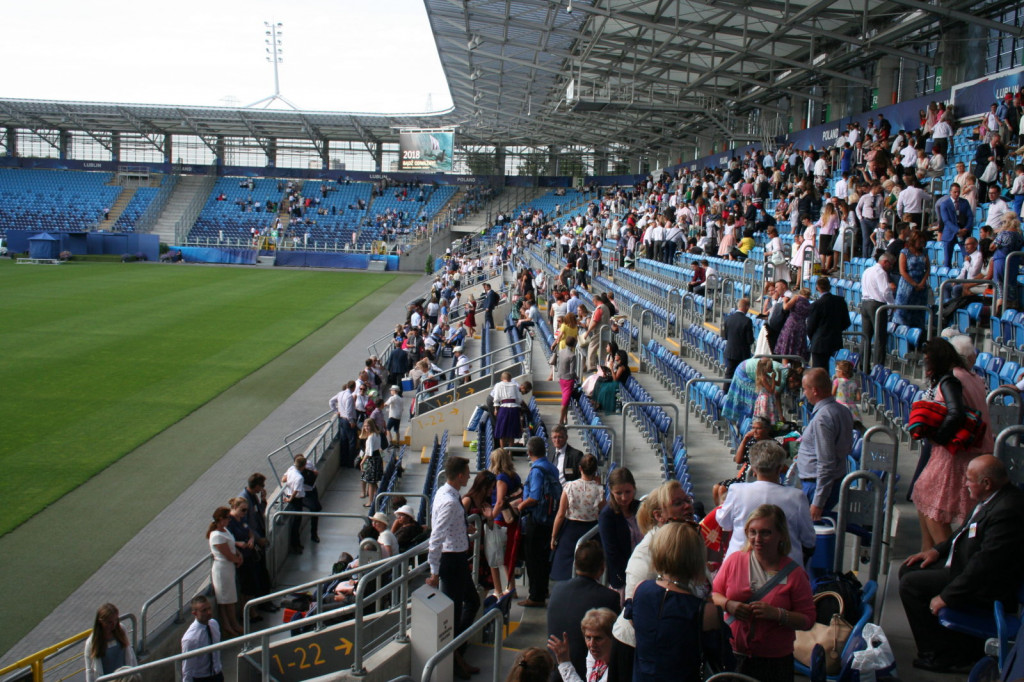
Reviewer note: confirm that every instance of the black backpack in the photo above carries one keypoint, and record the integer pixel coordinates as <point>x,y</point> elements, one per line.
<point>848,588</point>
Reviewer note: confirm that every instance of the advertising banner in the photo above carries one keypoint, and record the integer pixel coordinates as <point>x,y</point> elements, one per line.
<point>429,150</point>
<point>975,98</point>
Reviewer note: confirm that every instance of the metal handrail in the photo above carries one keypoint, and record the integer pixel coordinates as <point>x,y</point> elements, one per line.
<point>442,377</point>
<point>377,500</point>
<point>593,427</point>
<point>873,487</point>
<point>627,406</point>
<point>314,584</point>
<point>178,583</point>
<point>1005,435</point>
<point>940,300</point>
<point>686,400</point>
<point>405,575</point>
<point>1006,274</point>
<point>640,335</point>
<point>885,307</point>
<point>316,421</point>
<point>318,447</point>
<point>494,616</point>
<point>149,217</point>
<point>193,209</point>
<point>35,661</point>
<point>264,636</point>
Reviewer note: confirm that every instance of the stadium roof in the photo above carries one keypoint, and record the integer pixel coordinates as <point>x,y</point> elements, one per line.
<point>623,75</point>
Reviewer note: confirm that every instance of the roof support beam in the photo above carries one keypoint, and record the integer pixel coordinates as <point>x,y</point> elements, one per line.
<point>143,128</point>
<point>370,141</point>
<point>313,133</point>
<point>261,140</point>
<point>86,128</point>
<point>212,146</point>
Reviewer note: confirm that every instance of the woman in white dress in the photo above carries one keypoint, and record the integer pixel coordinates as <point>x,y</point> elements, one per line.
<point>225,559</point>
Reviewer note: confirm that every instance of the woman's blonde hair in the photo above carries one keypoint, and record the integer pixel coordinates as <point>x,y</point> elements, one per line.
<point>656,502</point>
<point>502,463</point>
<point>678,551</point>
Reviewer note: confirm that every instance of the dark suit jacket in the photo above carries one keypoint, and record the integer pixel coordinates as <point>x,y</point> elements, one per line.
<point>571,465</point>
<point>570,600</point>
<point>827,321</point>
<point>615,538</point>
<point>490,300</point>
<point>990,565</point>
<point>738,332</point>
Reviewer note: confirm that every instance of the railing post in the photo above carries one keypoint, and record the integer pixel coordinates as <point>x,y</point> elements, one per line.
<point>1006,275</point>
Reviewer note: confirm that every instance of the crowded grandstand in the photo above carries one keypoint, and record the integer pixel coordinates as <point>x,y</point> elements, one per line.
<point>700,381</point>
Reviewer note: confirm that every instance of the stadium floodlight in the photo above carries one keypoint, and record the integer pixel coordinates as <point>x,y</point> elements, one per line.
<point>274,32</point>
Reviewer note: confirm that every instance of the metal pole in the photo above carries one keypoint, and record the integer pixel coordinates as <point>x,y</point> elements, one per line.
<point>1006,275</point>
<point>951,282</point>
<point>640,403</point>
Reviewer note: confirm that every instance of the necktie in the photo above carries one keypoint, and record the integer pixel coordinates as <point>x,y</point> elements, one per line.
<point>967,524</point>
<point>598,672</point>
<point>209,634</point>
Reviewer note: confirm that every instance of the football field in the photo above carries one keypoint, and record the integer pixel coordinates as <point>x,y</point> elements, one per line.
<point>96,359</point>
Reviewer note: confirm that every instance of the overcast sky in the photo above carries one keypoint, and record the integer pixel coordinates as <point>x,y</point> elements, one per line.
<point>342,55</point>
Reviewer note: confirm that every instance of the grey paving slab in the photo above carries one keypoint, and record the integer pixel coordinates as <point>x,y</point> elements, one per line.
<point>174,539</point>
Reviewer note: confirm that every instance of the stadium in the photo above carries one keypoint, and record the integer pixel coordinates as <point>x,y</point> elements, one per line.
<point>690,226</point>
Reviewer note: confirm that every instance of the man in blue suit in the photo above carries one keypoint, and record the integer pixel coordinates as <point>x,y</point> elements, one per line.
<point>956,219</point>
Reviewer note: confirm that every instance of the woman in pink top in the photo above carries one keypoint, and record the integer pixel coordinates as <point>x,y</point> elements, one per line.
<point>766,596</point>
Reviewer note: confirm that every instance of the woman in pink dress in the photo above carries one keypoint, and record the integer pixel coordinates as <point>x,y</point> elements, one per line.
<point>940,494</point>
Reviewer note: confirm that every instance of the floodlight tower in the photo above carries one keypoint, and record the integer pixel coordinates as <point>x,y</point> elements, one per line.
<point>274,34</point>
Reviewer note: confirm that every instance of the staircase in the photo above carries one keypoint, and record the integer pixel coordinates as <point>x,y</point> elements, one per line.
<point>117,209</point>
<point>190,188</point>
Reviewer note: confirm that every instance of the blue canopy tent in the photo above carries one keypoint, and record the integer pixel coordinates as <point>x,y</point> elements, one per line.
<point>44,246</point>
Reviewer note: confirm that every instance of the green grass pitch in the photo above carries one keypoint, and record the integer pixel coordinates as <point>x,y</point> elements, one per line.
<point>95,359</point>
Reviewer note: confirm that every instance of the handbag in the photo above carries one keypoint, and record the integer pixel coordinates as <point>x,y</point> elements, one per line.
<point>495,538</point>
<point>831,637</point>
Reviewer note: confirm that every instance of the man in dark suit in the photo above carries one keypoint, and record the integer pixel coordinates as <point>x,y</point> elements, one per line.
<point>566,458</point>
<point>827,321</point>
<point>775,311</point>
<point>738,332</point>
<point>980,564</point>
<point>571,599</point>
<point>489,303</point>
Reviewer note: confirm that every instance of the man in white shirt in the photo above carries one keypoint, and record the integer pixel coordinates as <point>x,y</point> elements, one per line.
<point>869,212</point>
<point>820,171</point>
<point>912,201</point>
<point>876,290</point>
<point>971,269</point>
<point>448,552</point>
<point>996,208</point>
<point>908,156</point>
<point>293,493</point>
<point>854,134</point>
<point>842,188</point>
<point>461,365</point>
<point>204,631</point>
<point>396,406</point>
<point>345,403</point>
<point>941,133</point>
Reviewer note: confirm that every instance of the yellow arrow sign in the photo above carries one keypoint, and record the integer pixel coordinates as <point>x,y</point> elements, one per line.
<point>455,410</point>
<point>345,644</point>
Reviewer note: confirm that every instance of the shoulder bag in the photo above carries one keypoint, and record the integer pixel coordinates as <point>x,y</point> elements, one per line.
<point>832,637</point>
